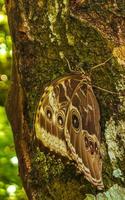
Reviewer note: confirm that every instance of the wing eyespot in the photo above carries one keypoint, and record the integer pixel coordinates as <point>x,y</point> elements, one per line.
<point>75,120</point>
<point>49,113</point>
<point>60,119</point>
<point>91,146</point>
<point>86,142</point>
<point>96,148</point>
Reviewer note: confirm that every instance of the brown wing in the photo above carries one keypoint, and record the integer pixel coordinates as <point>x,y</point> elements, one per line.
<point>51,112</point>
<point>82,132</point>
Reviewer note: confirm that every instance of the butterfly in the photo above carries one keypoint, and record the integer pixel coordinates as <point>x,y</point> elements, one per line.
<point>67,123</point>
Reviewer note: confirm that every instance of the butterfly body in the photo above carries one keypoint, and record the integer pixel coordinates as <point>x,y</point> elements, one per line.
<point>67,122</point>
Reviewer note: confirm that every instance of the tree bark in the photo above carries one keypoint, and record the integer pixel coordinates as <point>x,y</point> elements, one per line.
<point>47,37</point>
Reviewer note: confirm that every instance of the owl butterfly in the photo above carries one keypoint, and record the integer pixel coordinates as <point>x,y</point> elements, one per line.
<point>67,122</point>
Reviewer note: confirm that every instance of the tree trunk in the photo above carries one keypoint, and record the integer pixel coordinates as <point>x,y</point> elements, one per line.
<point>48,36</point>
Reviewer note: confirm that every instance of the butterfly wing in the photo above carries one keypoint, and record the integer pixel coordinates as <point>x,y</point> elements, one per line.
<point>68,116</point>
<point>47,132</point>
<point>82,132</point>
<point>51,113</point>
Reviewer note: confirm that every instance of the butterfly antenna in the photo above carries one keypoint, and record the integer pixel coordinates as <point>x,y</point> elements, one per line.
<point>102,89</point>
<point>108,91</point>
<point>77,69</point>
<point>101,64</point>
<point>69,66</point>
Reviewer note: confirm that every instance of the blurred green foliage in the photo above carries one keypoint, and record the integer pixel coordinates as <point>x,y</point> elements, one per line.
<point>10,184</point>
<point>5,53</point>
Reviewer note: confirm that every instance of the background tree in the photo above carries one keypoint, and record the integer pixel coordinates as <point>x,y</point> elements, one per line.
<point>5,53</point>
<point>47,37</point>
<point>10,185</point>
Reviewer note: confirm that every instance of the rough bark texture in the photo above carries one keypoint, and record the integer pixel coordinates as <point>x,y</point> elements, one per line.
<point>47,36</point>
